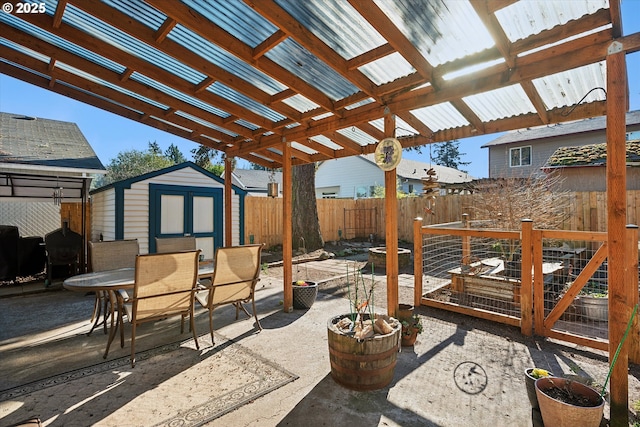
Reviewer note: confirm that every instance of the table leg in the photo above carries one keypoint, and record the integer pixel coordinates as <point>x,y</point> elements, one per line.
<point>114,328</point>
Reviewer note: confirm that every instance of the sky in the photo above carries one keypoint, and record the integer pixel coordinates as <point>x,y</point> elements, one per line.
<point>109,134</point>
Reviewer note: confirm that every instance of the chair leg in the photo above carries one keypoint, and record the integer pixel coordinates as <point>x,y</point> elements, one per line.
<point>211,326</point>
<point>192,326</point>
<point>112,335</point>
<point>133,344</point>
<point>255,313</point>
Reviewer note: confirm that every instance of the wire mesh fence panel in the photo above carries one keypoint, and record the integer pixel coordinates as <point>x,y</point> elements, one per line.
<point>472,272</point>
<point>587,313</point>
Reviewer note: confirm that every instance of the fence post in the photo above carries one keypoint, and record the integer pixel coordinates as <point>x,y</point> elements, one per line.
<point>527,296</point>
<point>466,242</point>
<point>417,261</point>
<point>632,287</point>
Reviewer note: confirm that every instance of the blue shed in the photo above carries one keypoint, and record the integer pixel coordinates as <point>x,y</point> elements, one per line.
<point>181,200</point>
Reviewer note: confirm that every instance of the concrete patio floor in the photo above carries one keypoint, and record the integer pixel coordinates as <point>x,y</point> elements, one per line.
<point>432,386</point>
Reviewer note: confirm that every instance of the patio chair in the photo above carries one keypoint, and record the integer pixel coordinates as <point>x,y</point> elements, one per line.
<point>164,286</point>
<point>110,255</point>
<point>235,275</point>
<point>175,244</point>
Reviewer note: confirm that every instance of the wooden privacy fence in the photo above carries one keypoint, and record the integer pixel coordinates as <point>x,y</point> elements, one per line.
<point>263,215</point>
<point>559,275</point>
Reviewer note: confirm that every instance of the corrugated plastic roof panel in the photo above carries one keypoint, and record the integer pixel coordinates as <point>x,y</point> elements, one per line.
<point>569,87</point>
<point>300,103</point>
<point>357,135</point>
<point>500,103</point>
<point>61,43</point>
<point>525,18</point>
<point>321,139</point>
<point>303,64</point>
<point>87,23</point>
<point>441,116</point>
<point>25,50</point>
<point>236,18</point>
<point>244,101</point>
<point>337,24</point>
<point>141,78</point>
<point>140,11</point>
<point>101,82</point>
<point>387,69</point>
<point>223,59</point>
<point>441,31</point>
<point>402,128</point>
<point>205,123</point>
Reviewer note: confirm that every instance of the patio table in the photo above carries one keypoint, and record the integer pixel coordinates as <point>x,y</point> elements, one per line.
<point>110,281</point>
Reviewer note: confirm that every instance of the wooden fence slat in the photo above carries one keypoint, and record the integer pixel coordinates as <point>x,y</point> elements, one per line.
<point>263,215</point>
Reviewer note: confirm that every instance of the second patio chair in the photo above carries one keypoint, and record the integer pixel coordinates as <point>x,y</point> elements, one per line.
<point>175,244</point>
<point>235,275</point>
<point>164,286</point>
<point>110,255</point>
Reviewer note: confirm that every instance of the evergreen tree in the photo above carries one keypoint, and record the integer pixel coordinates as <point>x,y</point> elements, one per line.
<point>448,154</point>
<point>174,154</point>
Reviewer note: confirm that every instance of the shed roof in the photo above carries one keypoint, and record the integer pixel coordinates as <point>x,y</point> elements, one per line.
<point>246,77</point>
<point>561,129</point>
<point>126,183</point>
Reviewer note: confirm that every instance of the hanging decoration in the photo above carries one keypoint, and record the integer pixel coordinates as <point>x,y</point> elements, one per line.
<point>57,195</point>
<point>430,187</point>
<point>388,154</point>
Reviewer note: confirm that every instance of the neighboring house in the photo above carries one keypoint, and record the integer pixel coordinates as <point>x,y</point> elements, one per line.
<point>37,158</point>
<point>524,152</point>
<point>255,181</point>
<point>584,168</point>
<point>357,177</point>
<point>180,200</point>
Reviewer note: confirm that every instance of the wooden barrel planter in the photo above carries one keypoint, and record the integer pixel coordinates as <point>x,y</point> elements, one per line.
<point>362,365</point>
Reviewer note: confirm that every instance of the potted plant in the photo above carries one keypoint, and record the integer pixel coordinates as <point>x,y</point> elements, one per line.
<point>410,329</point>
<point>304,294</point>
<point>363,345</point>
<point>565,403</point>
<point>530,376</point>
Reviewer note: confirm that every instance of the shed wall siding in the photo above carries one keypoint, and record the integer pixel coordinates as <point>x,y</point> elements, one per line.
<point>103,215</point>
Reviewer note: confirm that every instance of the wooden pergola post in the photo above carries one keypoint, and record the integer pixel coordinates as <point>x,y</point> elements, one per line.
<point>287,229</point>
<point>228,218</point>
<point>620,300</point>
<point>391,225</point>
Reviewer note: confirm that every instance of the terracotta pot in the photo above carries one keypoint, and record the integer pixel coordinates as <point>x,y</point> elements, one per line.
<point>409,340</point>
<point>561,414</point>
<point>405,312</point>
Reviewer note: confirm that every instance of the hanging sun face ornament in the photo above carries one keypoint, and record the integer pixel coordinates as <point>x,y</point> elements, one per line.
<point>388,154</point>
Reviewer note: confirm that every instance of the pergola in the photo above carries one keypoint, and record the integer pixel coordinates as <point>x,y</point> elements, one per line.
<point>286,82</point>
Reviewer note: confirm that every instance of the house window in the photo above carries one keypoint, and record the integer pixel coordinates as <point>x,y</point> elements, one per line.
<point>361,192</point>
<point>520,156</point>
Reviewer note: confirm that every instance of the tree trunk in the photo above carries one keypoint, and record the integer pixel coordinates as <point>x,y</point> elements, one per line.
<point>306,226</point>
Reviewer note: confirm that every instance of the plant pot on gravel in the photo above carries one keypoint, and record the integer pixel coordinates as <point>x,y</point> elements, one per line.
<point>567,403</point>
